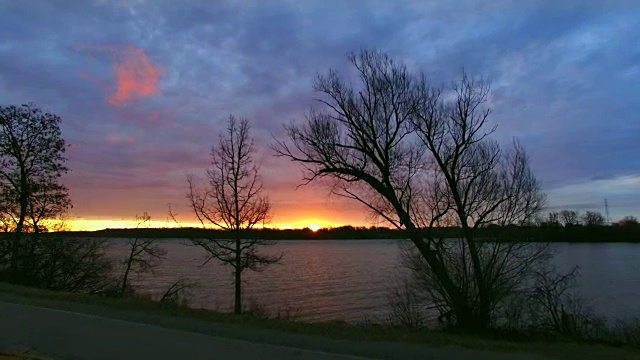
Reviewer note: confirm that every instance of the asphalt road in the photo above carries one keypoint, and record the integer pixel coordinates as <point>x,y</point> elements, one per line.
<point>70,335</point>
<point>49,328</point>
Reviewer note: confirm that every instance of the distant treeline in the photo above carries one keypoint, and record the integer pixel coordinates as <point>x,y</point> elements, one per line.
<point>511,233</point>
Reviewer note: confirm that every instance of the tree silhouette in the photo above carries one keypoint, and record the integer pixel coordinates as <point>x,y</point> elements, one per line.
<point>31,164</point>
<point>420,158</point>
<point>232,200</point>
<point>593,218</point>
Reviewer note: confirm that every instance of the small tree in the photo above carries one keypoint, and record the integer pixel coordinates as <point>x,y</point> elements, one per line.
<point>593,218</point>
<point>144,253</point>
<point>233,201</point>
<point>31,164</point>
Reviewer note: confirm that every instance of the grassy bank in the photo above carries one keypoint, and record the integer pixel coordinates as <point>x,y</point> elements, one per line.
<point>337,330</point>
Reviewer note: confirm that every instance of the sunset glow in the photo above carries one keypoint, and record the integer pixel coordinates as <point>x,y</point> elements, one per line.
<point>100,224</point>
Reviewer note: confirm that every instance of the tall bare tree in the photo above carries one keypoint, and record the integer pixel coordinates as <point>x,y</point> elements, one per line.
<point>144,253</point>
<point>31,164</point>
<point>420,157</point>
<point>233,200</point>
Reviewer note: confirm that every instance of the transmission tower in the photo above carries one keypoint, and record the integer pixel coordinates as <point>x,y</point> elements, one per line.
<point>606,211</point>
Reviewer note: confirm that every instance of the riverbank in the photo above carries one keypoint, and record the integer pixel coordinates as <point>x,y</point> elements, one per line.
<point>338,336</point>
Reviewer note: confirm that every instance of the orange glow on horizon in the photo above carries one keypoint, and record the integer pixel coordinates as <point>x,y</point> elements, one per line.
<point>101,224</point>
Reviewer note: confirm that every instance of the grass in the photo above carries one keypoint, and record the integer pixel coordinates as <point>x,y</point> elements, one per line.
<point>343,331</point>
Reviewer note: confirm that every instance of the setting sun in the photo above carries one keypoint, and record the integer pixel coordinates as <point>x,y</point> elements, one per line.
<point>314,227</point>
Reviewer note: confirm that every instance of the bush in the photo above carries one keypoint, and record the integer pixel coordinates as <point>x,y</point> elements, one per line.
<point>178,294</point>
<point>74,265</point>
<point>406,306</point>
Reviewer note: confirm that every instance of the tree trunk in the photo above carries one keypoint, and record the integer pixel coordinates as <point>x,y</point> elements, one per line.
<point>237,308</point>
<point>466,320</point>
<point>16,246</point>
<point>24,201</point>
<point>125,277</point>
<point>465,317</point>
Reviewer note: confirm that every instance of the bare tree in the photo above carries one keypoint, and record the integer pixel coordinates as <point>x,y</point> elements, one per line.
<point>593,218</point>
<point>570,218</point>
<point>233,201</point>
<point>31,164</point>
<point>553,219</point>
<point>419,157</point>
<point>144,254</point>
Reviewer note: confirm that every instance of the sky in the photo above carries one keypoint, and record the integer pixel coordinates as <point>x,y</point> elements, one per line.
<point>144,87</point>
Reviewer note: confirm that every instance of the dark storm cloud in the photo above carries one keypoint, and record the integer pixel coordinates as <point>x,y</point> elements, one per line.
<point>565,78</point>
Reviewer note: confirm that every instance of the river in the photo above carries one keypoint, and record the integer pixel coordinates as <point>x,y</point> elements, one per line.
<point>349,280</point>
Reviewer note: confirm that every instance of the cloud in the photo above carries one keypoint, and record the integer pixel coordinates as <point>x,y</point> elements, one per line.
<point>136,76</point>
<point>133,75</point>
<point>121,139</point>
<point>622,193</point>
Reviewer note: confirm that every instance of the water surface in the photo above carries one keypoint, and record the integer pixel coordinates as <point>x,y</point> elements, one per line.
<point>349,279</point>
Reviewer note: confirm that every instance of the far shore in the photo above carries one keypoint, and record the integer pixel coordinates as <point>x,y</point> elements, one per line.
<point>575,234</point>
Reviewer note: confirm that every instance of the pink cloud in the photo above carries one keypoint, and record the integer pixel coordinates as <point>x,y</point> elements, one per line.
<point>136,76</point>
